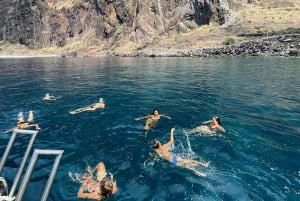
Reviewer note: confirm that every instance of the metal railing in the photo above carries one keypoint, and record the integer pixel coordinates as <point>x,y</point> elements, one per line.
<point>10,194</point>
<point>32,163</point>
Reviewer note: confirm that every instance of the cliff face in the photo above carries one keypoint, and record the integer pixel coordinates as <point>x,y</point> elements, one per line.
<point>20,22</point>
<point>106,24</point>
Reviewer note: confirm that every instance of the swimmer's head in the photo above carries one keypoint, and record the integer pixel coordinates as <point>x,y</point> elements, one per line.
<point>155,111</point>
<point>3,187</point>
<point>101,100</point>
<point>106,186</point>
<point>47,96</point>
<point>156,144</point>
<point>217,119</point>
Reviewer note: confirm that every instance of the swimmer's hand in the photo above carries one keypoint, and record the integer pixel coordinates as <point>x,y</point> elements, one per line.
<point>137,119</point>
<point>166,116</point>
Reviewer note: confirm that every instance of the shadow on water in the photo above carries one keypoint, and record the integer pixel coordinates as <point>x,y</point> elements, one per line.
<point>256,99</point>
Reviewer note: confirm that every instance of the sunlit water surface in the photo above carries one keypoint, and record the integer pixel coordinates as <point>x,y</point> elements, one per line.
<point>257,99</point>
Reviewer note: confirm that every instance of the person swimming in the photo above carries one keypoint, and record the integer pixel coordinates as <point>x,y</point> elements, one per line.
<point>99,105</point>
<point>213,126</point>
<point>152,119</point>
<point>22,124</point>
<point>99,188</point>
<point>48,97</point>
<point>162,150</point>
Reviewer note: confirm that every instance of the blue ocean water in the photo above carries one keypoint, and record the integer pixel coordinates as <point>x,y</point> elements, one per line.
<point>257,100</point>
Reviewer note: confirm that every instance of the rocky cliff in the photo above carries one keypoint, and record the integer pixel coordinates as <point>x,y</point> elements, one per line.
<point>108,25</point>
<point>105,23</point>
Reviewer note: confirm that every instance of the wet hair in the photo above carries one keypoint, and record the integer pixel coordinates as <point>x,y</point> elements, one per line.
<point>155,109</point>
<point>106,186</point>
<point>218,120</point>
<point>3,189</point>
<point>155,144</point>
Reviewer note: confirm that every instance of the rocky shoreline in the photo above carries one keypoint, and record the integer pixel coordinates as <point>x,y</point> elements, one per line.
<point>284,45</point>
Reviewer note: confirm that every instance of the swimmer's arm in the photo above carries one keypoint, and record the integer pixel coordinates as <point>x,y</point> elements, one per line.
<point>82,187</point>
<point>221,129</point>
<point>89,195</point>
<point>207,122</point>
<point>100,167</point>
<point>166,116</point>
<point>115,188</point>
<point>144,117</point>
<point>171,141</point>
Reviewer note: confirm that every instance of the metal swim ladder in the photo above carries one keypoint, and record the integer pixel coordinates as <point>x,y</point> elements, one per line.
<point>9,195</point>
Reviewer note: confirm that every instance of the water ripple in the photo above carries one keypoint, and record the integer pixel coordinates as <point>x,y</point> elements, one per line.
<point>257,158</point>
